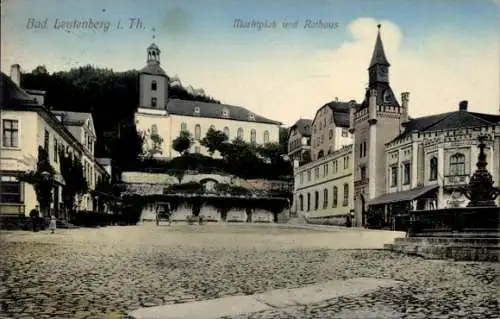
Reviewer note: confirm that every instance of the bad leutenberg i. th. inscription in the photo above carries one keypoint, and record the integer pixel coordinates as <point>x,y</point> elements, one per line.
<point>84,24</point>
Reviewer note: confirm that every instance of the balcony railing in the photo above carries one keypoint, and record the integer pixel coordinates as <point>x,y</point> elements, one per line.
<point>456,180</point>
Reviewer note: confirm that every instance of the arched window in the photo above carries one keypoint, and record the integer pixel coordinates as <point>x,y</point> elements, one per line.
<point>153,85</point>
<point>457,164</point>
<point>197,132</point>
<point>240,133</point>
<point>329,150</point>
<point>330,134</point>
<point>308,201</point>
<point>325,198</point>
<point>153,102</point>
<point>184,127</point>
<point>266,137</point>
<point>335,196</point>
<point>226,131</point>
<point>387,96</point>
<point>316,200</point>
<point>321,154</point>
<point>301,202</point>
<point>253,137</point>
<point>433,172</point>
<point>345,202</point>
<point>154,129</point>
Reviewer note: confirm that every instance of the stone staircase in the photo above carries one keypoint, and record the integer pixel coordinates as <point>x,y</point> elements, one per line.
<point>480,246</point>
<point>299,220</point>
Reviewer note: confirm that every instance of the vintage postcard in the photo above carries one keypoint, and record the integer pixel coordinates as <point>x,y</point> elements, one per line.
<point>249,159</point>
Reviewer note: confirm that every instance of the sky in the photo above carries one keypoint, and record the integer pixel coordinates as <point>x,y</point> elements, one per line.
<point>441,52</point>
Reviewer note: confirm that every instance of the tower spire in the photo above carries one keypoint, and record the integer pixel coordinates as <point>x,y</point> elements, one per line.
<point>378,56</point>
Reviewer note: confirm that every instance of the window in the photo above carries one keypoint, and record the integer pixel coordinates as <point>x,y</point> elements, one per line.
<point>346,162</point>
<point>364,148</point>
<point>394,176</point>
<point>330,134</point>
<point>335,196</point>
<point>154,129</point>
<point>225,112</point>
<point>335,166</point>
<point>251,117</point>
<point>184,127</point>
<point>433,173</point>
<point>266,137</point>
<point>457,164</point>
<point>316,200</point>
<point>197,149</point>
<point>46,140</point>
<point>197,109</point>
<point>344,132</point>
<point>55,150</point>
<point>301,177</point>
<point>253,137</point>
<point>197,132</point>
<point>321,154</point>
<point>226,131</point>
<point>301,203</point>
<point>316,173</point>
<point>308,201</point>
<point>10,133</point>
<point>387,96</point>
<point>309,175</point>
<point>325,198</point>
<point>321,139</point>
<point>406,173</point>
<point>346,195</point>
<point>240,133</point>
<point>153,102</point>
<point>329,150</point>
<point>153,85</point>
<point>10,190</point>
<point>362,172</point>
<point>325,170</point>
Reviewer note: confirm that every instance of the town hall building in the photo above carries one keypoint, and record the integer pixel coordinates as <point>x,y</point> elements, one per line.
<point>167,117</point>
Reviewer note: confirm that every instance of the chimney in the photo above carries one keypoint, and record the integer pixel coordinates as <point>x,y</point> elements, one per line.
<point>352,110</point>
<point>15,74</point>
<point>405,98</point>
<point>372,107</point>
<point>462,106</point>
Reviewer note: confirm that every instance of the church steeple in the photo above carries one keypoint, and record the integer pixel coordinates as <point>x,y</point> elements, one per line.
<point>379,66</point>
<point>153,54</point>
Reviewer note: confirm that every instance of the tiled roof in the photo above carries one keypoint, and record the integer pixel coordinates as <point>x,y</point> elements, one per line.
<point>153,69</point>
<point>449,121</point>
<point>378,56</point>
<point>303,127</point>
<point>12,95</point>
<point>340,112</point>
<point>213,110</point>
<point>76,118</point>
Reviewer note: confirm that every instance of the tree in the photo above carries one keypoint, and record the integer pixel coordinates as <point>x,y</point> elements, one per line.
<point>76,184</point>
<point>152,142</point>
<point>40,70</point>
<point>42,179</point>
<point>213,140</point>
<point>182,143</point>
<point>283,136</point>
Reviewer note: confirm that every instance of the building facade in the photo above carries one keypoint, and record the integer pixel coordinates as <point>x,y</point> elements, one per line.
<point>25,125</point>
<point>299,141</point>
<point>166,117</point>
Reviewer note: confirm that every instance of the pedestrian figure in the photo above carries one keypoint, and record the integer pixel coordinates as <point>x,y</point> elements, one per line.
<point>157,215</point>
<point>34,214</point>
<point>53,223</point>
<point>169,214</point>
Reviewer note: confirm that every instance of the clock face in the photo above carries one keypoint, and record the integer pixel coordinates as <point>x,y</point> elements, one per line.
<point>382,71</point>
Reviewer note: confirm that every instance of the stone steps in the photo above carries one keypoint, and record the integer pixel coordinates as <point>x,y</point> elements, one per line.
<point>297,221</point>
<point>456,248</point>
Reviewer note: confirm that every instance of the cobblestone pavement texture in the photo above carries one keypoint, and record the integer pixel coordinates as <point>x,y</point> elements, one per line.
<point>103,273</point>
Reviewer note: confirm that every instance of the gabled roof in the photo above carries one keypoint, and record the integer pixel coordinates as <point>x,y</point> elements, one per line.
<point>340,112</point>
<point>13,96</point>
<point>449,121</point>
<point>378,56</point>
<point>213,110</point>
<point>303,126</point>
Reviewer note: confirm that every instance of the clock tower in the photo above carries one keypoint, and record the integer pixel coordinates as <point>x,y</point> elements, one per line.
<point>379,66</point>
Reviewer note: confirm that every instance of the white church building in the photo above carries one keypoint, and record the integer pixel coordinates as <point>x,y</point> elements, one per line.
<point>167,117</point>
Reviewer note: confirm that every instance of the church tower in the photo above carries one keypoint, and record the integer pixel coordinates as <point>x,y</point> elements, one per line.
<point>153,81</point>
<point>374,122</point>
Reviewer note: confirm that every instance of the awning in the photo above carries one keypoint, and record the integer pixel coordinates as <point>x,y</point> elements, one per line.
<point>402,196</point>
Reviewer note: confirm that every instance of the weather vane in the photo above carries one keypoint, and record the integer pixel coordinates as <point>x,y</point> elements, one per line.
<point>154,33</point>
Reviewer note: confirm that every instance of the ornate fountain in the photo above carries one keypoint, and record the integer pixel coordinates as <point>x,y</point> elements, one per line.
<point>480,190</point>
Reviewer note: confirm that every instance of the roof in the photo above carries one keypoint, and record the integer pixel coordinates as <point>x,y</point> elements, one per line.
<point>340,112</point>
<point>12,95</point>
<point>213,110</point>
<point>378,56</point>
<point>303,127</point>
<point>153,68</point>
<point>104,160</point>
<point>402,196</point>
<point>75,118</point>
<point>449,121</point>
<point>381,87</point>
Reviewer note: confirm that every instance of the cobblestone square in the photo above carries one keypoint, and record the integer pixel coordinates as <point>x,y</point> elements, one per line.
<point>106,272</point>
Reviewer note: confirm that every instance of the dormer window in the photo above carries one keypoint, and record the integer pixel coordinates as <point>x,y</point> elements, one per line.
<point>197,110</point>
<point>387,96</point>
<point>225,112</point>
<point>251,117</point>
